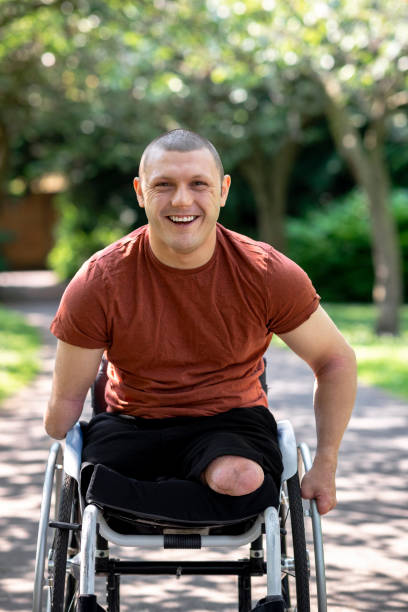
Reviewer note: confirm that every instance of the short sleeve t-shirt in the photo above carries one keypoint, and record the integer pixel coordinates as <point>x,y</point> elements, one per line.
<point>184,342</point>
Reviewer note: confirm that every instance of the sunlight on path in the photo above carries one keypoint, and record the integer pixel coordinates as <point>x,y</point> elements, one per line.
<point>366,537</point>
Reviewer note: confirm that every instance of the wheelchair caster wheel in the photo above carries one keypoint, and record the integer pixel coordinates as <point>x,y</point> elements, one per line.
<point>272,603</point>
<point>88,603</point>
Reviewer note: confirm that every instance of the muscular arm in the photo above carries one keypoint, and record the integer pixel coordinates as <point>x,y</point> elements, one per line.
<point>332,360</point>
<point>74,372</point>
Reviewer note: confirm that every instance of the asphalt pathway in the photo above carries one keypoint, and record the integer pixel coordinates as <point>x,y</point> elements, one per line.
<point>366,536</point>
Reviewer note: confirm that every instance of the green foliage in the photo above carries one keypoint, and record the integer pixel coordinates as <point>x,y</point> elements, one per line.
<point>333,245</point>
<point>319,174</point>
<point>19,344</point>
<point>82,231</point>
<point>85,85</point>
<point>382,361</point>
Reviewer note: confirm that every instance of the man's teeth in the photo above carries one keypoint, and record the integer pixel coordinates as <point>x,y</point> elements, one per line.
<point>182,219</point>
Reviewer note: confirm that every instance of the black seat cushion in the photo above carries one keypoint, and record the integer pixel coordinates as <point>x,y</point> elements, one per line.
<point>174,502</point>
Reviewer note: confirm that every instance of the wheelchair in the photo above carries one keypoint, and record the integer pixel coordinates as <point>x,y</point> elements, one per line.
<point>77,539</point>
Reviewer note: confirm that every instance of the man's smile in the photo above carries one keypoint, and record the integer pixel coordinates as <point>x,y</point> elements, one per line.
<point>185,219</point>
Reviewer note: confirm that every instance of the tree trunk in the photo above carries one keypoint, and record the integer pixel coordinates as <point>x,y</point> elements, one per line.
<point>3,158</point>
<point>366,162</point>
<point>268,180</point>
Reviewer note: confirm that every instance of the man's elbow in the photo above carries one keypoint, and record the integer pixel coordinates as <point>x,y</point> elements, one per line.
<point>350,358</point>
<point>53,432</point>
<point>53,429</point>
<point>54,423</point>
<point>341,360</point>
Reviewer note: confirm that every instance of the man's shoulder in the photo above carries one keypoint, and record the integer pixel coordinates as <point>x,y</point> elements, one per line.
<point>118,253</point>
<point>243,242</point>
<point>260,254</point>
<point>120,247</point>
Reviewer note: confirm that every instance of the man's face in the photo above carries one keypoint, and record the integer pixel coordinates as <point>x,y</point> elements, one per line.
<point>181,193</point>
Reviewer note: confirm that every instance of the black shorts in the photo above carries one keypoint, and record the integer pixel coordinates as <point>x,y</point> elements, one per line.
<point>181,447</point>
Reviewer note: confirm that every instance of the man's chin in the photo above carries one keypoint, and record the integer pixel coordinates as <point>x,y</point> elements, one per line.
<point>189,254</point>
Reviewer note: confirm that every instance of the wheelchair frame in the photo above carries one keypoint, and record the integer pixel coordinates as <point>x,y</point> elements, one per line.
<point>93,557</point>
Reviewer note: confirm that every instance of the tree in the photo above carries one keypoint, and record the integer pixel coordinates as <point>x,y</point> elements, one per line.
<point>97,80</point>
<point>104,77</point>
<point>356,54</point>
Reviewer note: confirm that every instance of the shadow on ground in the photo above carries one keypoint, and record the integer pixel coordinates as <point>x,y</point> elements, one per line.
<point>366,537</point>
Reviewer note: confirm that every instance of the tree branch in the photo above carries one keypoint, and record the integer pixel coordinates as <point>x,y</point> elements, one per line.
<point>398,99</point>
<point>16,10</point>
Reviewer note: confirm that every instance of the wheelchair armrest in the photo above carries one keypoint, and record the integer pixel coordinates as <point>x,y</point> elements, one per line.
<point>73,452</point>
<point>288,448</point>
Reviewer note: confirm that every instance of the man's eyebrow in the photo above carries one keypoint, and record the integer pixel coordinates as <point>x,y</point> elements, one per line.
<point>170,178</point>
<point>155,179</point>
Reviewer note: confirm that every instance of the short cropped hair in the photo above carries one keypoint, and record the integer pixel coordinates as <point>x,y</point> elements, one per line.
<point>182,140</point>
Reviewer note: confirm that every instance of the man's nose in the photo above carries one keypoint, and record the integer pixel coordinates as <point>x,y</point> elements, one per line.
<point>182,196</point>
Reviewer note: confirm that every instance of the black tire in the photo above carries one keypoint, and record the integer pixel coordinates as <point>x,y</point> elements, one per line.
<point>64,585</point>
<point>284,550</point>
<point>299,544</point>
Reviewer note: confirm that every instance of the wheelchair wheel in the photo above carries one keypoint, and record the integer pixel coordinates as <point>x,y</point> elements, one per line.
<point>64,583</point>
<point>292,505</point>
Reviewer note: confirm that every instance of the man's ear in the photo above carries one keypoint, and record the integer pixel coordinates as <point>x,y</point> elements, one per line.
<point>226,183</point>
<point>137,186</point>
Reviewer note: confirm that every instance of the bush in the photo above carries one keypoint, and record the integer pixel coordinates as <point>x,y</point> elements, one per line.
<point>334,246</point>
<point>81,232</point>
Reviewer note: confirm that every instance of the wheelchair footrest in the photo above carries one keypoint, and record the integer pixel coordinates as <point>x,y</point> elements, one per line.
<point>271,603</point>
<point>88,603</point>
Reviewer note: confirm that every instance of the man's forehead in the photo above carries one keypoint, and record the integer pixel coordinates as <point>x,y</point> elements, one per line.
<point>157,161</point>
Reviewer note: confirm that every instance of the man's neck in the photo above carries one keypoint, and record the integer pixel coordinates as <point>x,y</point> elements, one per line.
<point>184,261</point>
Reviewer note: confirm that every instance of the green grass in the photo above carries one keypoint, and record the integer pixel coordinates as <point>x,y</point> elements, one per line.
<point>19,344</point>
<point>382,360</point>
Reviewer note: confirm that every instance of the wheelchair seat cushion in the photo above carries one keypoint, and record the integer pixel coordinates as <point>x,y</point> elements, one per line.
<point>175,502</point>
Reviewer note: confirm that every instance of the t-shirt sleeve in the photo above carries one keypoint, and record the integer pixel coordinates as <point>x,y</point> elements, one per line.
<point>292,296</point>
<point>82,316</point>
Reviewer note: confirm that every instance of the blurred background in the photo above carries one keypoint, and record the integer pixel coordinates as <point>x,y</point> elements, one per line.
<point>307,103</point>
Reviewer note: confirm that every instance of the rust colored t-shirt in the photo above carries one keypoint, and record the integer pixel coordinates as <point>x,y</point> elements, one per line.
<point>184,342</point>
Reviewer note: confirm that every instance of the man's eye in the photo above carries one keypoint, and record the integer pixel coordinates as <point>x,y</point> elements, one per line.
<point>199,184</point>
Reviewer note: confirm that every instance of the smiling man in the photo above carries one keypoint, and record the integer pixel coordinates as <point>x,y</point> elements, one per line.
<point>184,310</point>
<point>182,193</point>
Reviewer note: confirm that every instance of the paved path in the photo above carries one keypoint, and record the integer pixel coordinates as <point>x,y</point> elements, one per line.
<point>366,537</point>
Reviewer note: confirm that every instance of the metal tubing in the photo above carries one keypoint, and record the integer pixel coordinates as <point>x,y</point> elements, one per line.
<point>234,541</point>
<point>113,592</point>
<point>306,455</point>
<point>157,541</point>
<point>88,547</point>
<point>273,552</point>
<point>54,455</point>
<point>244,593</point>
<point>317,538</point>
<point>190,568</point>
